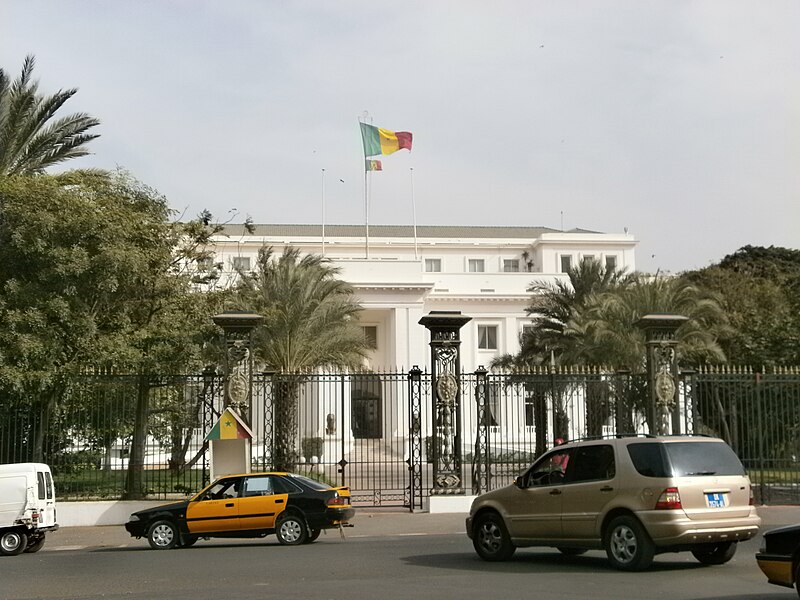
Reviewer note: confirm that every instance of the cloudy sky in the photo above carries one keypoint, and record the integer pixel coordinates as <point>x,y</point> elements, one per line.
<point>678,121</point>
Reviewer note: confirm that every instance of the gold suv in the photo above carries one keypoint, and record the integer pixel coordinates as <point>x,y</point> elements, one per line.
<point>634,496</point>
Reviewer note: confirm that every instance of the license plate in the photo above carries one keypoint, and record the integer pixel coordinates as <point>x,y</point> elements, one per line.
<point>717,500</point>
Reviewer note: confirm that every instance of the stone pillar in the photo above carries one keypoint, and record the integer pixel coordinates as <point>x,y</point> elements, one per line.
<point>663,415</point>
<point>238,329</point>
<point>446,385</point>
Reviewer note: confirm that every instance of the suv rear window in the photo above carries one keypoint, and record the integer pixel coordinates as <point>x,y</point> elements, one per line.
<point>684,459</point>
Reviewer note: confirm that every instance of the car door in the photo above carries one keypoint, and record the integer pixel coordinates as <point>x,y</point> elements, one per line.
<point>216,509</point>
<point>534,507</point>
<point>588,487</point>
<point>260,502</point>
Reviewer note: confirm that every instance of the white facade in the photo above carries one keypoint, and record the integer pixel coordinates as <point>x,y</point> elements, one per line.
<point>401,273</point>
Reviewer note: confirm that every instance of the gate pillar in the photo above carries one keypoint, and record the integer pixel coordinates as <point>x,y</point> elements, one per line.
<point>446,385</point>
<point>663,415</point>
<point>234,455</point>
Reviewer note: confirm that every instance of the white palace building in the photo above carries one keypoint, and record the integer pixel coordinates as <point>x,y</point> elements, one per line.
<point>401,273</point>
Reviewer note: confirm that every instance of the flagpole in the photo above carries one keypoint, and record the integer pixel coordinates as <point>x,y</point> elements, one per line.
<point>414,212</point>
<point>323,212</point>
<point>366,211</point>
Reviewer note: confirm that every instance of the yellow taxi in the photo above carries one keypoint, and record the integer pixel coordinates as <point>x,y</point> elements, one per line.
<point>293,507</point>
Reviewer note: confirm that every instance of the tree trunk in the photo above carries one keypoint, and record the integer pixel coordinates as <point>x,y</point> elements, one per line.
<point>285,456</point>
<point>134,484</point>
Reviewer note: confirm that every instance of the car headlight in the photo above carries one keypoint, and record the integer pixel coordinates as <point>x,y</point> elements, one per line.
<point>134,518</point>
<point>763,547</point>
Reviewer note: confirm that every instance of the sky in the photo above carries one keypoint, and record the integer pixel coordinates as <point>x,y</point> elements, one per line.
<point>676,121</point>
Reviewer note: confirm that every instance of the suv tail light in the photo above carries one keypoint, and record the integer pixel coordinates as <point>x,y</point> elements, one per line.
<point>752,497</point>
<point>35,517</point>
<point>669,499</point>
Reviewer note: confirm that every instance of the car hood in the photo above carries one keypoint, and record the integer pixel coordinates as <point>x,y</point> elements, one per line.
<point>785,529</point>
<point>163,507</point>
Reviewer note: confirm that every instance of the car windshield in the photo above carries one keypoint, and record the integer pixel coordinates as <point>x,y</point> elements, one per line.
<point>684,459</point>
<point>694,460</point>
<point>311,483</point>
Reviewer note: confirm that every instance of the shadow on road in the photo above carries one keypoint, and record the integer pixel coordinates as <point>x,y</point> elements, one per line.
<point>551,562</point>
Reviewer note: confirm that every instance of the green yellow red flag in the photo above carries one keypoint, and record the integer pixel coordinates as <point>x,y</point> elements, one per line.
<point>382,141</point>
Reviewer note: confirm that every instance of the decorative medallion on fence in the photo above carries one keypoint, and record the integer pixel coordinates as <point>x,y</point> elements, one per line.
<point>229,426</point>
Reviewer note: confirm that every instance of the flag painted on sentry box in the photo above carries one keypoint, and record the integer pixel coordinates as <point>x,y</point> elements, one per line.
<point>229,427</point>
<point>382,141</point>
<point>373,165</point>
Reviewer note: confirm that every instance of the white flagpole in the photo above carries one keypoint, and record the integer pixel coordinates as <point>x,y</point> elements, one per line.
<point>414,213</point>
<point>323,212</point>
<point>366,210</point>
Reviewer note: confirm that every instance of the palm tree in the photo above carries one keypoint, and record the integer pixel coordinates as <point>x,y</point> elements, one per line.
<point>605,331</point>
<point>553,305</point>
<point>310,321</point>
<point>30,141</point>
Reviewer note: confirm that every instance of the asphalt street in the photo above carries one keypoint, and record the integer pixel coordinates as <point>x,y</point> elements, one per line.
<point>387,554</point>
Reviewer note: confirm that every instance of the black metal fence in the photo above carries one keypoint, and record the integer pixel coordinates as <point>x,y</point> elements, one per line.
<point>377,432</point>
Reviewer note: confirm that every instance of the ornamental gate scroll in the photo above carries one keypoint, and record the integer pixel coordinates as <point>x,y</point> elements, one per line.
<point>446,385</point>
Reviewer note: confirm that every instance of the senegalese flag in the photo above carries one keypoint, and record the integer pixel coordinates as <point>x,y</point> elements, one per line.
<point>373,165</point>
<point>382,141</point>
<point>229,427</point>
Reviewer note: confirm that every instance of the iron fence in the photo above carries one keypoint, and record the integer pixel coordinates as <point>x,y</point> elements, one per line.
<point>377,432</point>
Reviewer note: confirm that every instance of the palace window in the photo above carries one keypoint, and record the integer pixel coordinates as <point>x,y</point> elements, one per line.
<point>566,262</point>
<point>510,265</point>
<point>241,263</point>
<point>433,265</point>
<point>487,337</point>
<point>475,265</point>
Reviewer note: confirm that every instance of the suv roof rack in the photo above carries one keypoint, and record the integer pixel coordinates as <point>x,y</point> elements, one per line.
<point>612,436</point>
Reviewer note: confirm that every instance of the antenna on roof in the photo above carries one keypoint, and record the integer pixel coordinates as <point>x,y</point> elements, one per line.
<point>562,220</point>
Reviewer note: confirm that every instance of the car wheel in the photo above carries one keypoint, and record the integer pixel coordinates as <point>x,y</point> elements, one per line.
<point>572,551</point>
<point>628,546</point>
<point>13,543</point>
<point>291,530</point>
<point>313,535</point>
<point>490,538</point>
<point>35,545</point>
<point>715,554</point>
<point>162,535</point>
<point>797,578</point>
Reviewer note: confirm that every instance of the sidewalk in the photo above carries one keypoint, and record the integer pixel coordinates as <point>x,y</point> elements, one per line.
<point>367,523</point>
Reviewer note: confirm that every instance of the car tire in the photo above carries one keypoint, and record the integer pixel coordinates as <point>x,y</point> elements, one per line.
<point>572,551</point>
<point>313,536</point>
<point>490,538</point>
<point>35,545</point>
<point>715,554</point>
<point>163,535</point>
<point>797,578</point>
<point>291,530</point>
<point>628,546</point>
<point>13,543</point>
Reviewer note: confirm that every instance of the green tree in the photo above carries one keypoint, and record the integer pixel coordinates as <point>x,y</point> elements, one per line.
<point>31,138</point>
<point>90,270</point>
<point>310,322</point>
<point>553,305</point>
<point>760,293</point>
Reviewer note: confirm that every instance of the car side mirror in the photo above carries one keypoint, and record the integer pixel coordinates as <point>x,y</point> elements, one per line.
<point>518,481</point>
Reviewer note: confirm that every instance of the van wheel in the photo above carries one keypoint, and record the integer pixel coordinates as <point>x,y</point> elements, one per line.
<point>628,546</point>
<point>715,554</point>
<point>13,543</point>
<point>490,538</point>
<point>291,530</point>
<point>162,535</point>
<point>35,545</point>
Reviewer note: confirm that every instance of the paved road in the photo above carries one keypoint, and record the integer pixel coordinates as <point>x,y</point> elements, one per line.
<point>386,555</point>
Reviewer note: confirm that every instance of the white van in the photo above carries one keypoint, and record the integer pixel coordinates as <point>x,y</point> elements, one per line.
<point>27,507</point>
